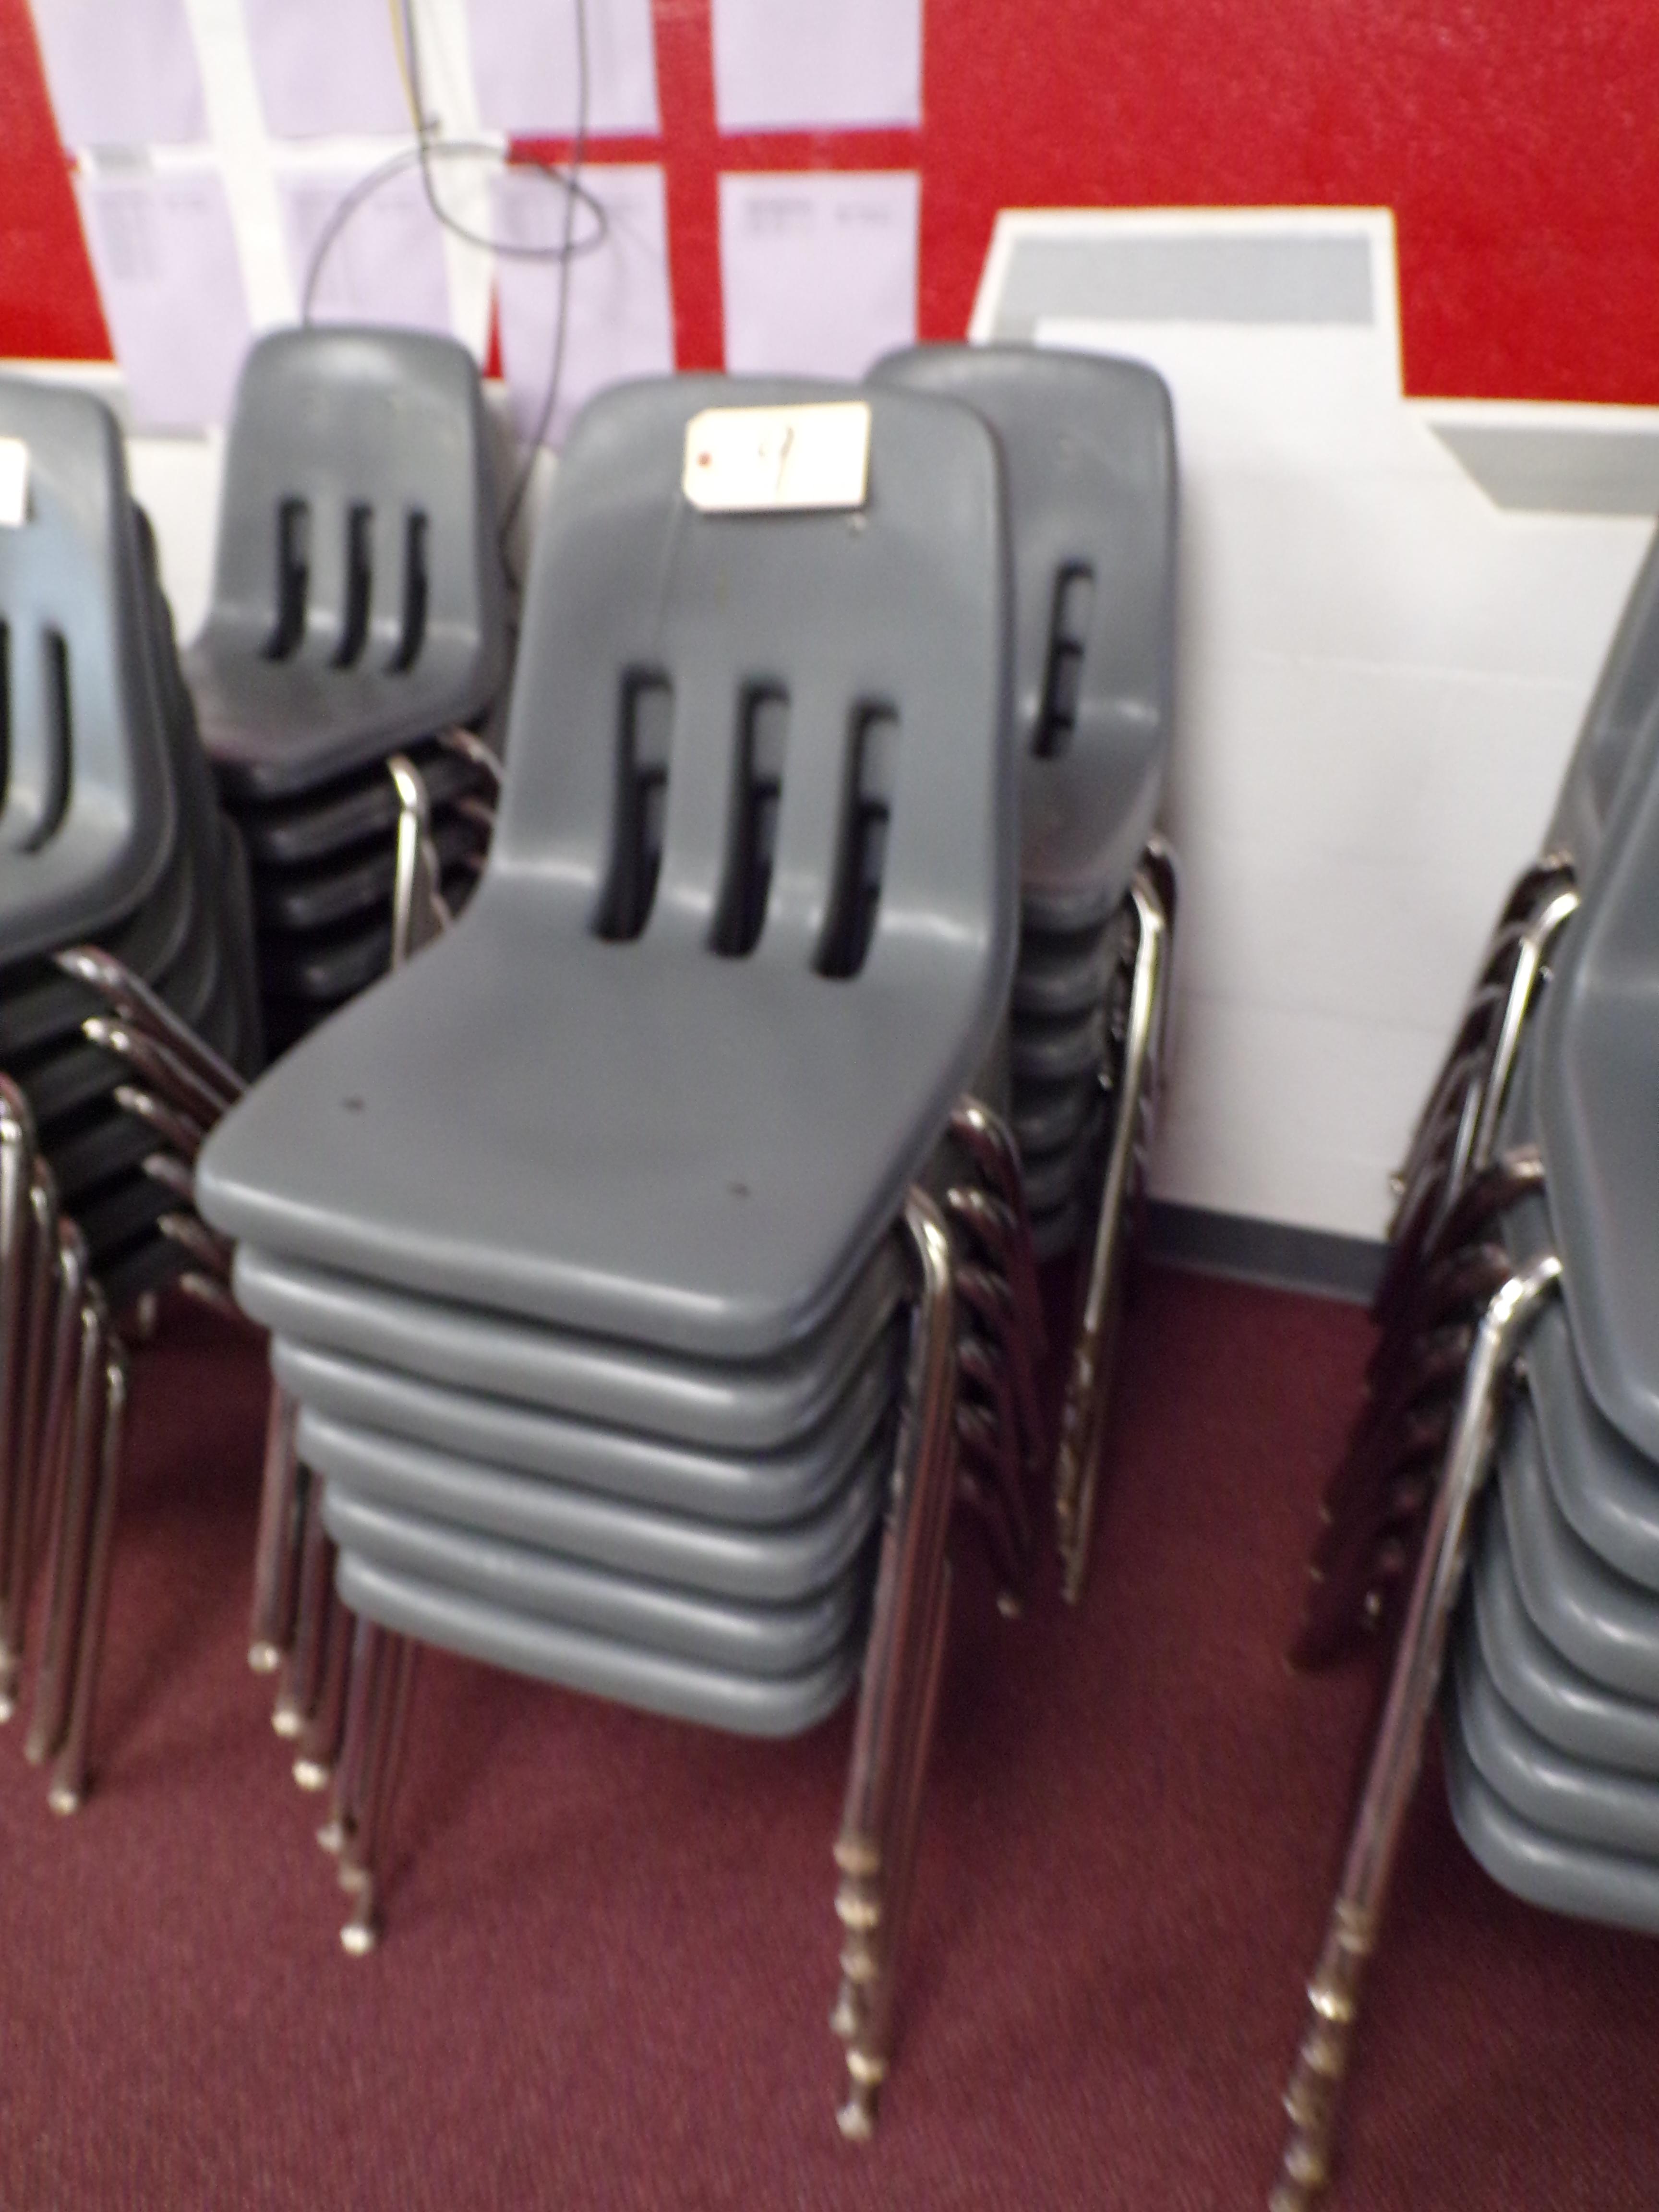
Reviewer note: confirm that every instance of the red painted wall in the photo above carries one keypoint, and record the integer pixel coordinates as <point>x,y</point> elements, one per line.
<point>1517,142</point>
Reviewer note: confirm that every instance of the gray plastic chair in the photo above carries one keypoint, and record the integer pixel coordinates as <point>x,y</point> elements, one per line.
<point>745,936</point>
<point>549,1211</point>
<point>357,592</point>
<point>88,810</point>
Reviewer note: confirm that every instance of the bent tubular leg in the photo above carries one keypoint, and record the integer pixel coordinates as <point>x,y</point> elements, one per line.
<point>362,1852</point>
<point>77,1500</point>
<point>889,1741</point>
<point>1334,1994</point>
<point>275,1558</point>
<point>418,912</point>
<point>72,1770</point>
<point>1082,1413</point>
<point>34,1414</point>
<point>134,1003</point>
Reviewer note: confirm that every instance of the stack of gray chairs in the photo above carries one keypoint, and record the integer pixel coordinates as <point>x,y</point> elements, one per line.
<point>128,1017</point>
<point>1089,451</point>
<point>1436,1280</point>
<point>1548,1475</point>
<point>617,1336</point>
<point>357,615</point>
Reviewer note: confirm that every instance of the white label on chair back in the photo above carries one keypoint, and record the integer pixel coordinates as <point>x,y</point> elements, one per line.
<point>755,460</point>
<point>14,484</point>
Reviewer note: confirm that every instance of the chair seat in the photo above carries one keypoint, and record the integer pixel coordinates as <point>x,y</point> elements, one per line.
<point>1567,1796</point>
<point>1551,1696</point>
<point>729,1406</point>
<point>1608,1491</point>
<point>680,1150</point>
<point>756,1488</point>
<point>1607,1625</point>
<point>628,1674</point>
<point>1577,1879</point>
<point>764,1566</point>
<point>522,1578</point>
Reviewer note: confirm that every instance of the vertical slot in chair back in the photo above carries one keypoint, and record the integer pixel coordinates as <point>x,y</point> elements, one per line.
<point>86,792</point>
<point>1090,449</point>
<point>357,595</point>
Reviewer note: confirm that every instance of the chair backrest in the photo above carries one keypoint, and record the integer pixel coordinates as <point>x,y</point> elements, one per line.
<point>782,734</point>
<point>86,797</point>
<point>1597,1081</point>
<point>357,593</point>
<point>1088,447</point>
<point>1607,748</point>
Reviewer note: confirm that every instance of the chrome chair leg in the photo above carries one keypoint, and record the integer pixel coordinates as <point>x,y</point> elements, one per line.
<point>990,1301</point>
<point>362,1856</point>
<point>172,1173</point>
<point>319,1744</point>
<point>34,1420</point>
<point>1083,1412</point>
<point>887,1744</point>
<point>210,1253</point>
<point>418,911</point>
<point>133,1002</point>
<point>365,1674</point>
<point>276,1560</point>
<point>158,1065</point>
<point>77,1500</point>
<point>1334,1994</point>
<point>302,1669</point>
<point>17,1280</point>
<point>179,1131</point>
<point>71,1771</point>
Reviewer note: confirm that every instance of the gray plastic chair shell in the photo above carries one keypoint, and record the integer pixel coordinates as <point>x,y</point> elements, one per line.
<point>762,1566</point>
<point>1597,1076</point>
<point>1613,752</point>
<point>1088,451</point>
<point>1608,1491</point>
<point>1552,1697</point>
<point>758,1489</point>
<point>727,1406</point>
<point>1565,1796</point>
<point>663,1145</point>
<point>1606,1627</point>
<point>566,1593</point>
<point>1575,1879</point>
<point>654,1681</point>
<point>339,418</point>
<point>89,809</point>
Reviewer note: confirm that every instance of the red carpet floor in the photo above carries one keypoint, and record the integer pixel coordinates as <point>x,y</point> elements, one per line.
<point>610,1961</point>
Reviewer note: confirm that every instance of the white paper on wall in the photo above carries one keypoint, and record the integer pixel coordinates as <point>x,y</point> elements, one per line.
<point>165,257</point>
<point>524,58</point>
<point>385,264</point>
<point>818,270</point>
<point>807,64</point>
<point>620,321</point>
<point>121,72</point>
<point>326,68</point>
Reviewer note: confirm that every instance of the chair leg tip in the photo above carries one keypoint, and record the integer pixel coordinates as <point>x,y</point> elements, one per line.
<point>66,1797</point>
<point>313,1773</point>
<point>857,2118</point>
<point>358,1938</point>
<point>265,1658</point>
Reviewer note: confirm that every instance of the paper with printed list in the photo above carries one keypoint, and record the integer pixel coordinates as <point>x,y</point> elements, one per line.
<point>525,60</point>
<point>121,72</point>
<point>817,65</point>
<point>385,262</point>
<point>165,257</point>
<point>619,319</point>
<point>326,68</point>
<point>818,270</point>
<point>14,484</point>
